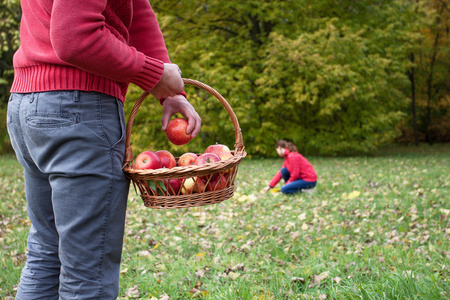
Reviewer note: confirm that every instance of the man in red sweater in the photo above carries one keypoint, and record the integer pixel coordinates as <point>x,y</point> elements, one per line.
<point>66,123</point>
<point>296,170</point>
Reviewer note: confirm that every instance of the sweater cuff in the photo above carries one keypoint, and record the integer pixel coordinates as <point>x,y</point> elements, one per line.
<point>183,93</point>
<point>150,74</point>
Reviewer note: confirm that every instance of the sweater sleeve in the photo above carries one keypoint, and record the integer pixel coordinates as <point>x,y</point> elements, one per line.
<point>151,43</point>
<point>81,38</point>
<point>275,179</point>
<point>277,176</point>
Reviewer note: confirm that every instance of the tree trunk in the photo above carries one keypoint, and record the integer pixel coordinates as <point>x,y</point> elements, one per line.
<point>429,135</point>
<point>411,75</point>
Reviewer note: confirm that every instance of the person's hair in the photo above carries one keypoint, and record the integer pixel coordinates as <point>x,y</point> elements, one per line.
<point>291,147</point>
<point>281,143</point>
<point>285,144</point>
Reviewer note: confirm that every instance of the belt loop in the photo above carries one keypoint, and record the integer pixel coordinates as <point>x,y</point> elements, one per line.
<point>76,96</point>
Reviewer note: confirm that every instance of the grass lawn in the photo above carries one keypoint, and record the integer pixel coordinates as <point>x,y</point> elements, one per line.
<point>376,227</point>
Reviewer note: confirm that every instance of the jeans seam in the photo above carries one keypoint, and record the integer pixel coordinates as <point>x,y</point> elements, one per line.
<point>100,120</point>
<point>106,221</point>
<point>103,129</point>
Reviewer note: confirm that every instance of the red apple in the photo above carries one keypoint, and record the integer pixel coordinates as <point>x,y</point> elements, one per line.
<point>167,159</point>
<point>217,148</point>
<point>173,186</point>
<point>187,159</point>
<point>176,132</point>
<point>225,155</point>
<point>206,158</point>
<point>147,160</point>
<point>191,185</point>
<point>221,150</point>
<point>217,183</point>
<point>226,174</point>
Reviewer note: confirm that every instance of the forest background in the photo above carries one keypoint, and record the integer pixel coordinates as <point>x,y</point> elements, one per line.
<point>336,77</point>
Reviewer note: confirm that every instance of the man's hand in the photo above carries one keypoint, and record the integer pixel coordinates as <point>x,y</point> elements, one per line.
<point>179,104</point>
<point>170,83</point>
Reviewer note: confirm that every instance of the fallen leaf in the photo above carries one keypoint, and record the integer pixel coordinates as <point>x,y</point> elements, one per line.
<point>199,256</point>
<point>317,279</point>
<point>298,279</point>
<point>200,273</point>
<point>337,279</point>
<point>353,195</point>
<point>445,211</point>
<point>133,292</point>
<point>302,216</point>
<point>305,226</point>
<point>233,276</point>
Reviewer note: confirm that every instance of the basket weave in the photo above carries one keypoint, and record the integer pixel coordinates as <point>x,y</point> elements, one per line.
<point>150,183</point>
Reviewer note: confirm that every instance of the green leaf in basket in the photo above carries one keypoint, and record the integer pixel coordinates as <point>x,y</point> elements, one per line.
<point>159,187</point>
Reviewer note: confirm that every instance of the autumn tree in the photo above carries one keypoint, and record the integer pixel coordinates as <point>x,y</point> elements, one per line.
<point>9,42</point>
<point>434,73</point>
<point>329,77</point>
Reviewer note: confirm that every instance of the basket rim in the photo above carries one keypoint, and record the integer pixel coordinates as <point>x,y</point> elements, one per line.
<point>239,144</point>
<point>182,171</point>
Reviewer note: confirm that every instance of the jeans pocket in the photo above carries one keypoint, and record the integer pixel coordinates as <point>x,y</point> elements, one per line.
<point>9,110</point>
<point>51,121</point>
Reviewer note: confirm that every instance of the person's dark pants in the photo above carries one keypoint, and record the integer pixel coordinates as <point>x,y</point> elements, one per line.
<point>296,186</point>
<point>71,145</point>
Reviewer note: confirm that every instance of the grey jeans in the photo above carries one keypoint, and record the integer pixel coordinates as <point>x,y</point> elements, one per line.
<point>71,145</point>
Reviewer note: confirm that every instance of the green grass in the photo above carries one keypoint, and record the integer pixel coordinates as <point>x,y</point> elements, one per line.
<point>376,227</point>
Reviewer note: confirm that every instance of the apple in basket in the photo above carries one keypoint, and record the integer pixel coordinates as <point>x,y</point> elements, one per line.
<point>167,159</point>
<point>147,160</point>
<point>216,184</point>
<point>221,150</point>
<point>176,132</point>
<point>206,158</point>
<point>173,186</point>
<point>187,159</point>
<point>191,185</point>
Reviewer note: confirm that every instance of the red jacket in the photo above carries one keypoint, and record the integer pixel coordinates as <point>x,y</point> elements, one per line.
<point>88,45</point>
<point>298,166</point>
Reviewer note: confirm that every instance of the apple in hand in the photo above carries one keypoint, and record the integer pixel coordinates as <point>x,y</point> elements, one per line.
<point>216,184</point>
<point>187,159</point>
<point>172,186</point>
<point>176,132</point>
<point>191,185</point>
<point>147,160</point>
<point>167,159</point>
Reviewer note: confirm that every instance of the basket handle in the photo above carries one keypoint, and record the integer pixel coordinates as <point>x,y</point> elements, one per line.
<point>239,144</point>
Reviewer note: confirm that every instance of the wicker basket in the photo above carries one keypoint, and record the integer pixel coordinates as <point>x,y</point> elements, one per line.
<point>152,184</point>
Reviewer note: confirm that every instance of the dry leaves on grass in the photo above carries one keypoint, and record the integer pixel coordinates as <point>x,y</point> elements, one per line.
<point>317,279</point>
<point>133,292</point>
<point>163,297</point>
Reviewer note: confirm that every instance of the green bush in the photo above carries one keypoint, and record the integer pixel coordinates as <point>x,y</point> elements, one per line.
<point>5,144</point>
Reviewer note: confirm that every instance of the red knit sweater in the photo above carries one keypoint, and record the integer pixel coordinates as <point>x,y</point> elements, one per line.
<point>298,166</point>
<point>88,45</point>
